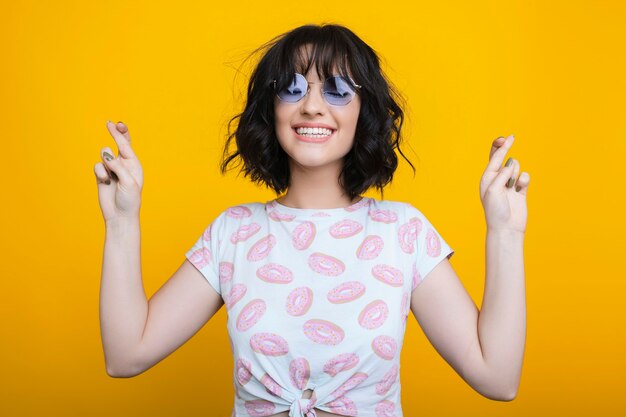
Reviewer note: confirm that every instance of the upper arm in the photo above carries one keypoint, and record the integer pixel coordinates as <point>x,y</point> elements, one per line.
<point>449,318</point>
<point>175,313</point>
<point>185,302</point>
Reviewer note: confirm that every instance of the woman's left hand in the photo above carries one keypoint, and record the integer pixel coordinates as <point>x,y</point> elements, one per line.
<point>505,207</point>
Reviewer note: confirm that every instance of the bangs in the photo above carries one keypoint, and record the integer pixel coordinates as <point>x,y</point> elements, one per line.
<point>330,50</point>
<point>328,53</point>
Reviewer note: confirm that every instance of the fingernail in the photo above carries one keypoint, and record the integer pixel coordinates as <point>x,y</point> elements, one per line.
<point>108,121</point>
<point>509,162</point>
<point>518,188</point>
<point>107,155</point>
<point>510,183</point>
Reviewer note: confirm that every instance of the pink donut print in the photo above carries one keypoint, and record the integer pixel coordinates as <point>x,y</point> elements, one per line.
<point>250,314</point>
<point>259,408</point>
<point>417,278</point>
<point>385,409</point>
<point>299,301</point>
<point>340,363</point>
<point>345,228</point>
<point>361,203</point>
<point>277,216</point>
<point>269,344</point>
<point>405,306</point>
<point>352,382</point>
<point>384,346</point>
<point>243,371</point>
<point>299,372</point>
<point>244,232</point>
<point>370,248</point>
<point>271,385</point>
<point>374,314</point>
<point>407,234</point>
<point>326,264</point>
<point>303,235</point>
<point>343,405</point>
<point>383,386</point>
<point>226,271</point>
<point>238,212</point>
<point>433,246</point>
<point>206,236</point>
<point>388,274</point>
<point>236,293</point>
<point>275,274</point>
<point>347,291</point>
<point>201,257</point>
<point>384,216</point>
<point>261,248</point>
<point>323,332</point>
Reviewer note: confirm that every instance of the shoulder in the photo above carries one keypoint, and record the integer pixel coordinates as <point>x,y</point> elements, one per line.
<point>233,218</point>
<point>244,210</point>
<point>402,209</point>
<point>240,213</point>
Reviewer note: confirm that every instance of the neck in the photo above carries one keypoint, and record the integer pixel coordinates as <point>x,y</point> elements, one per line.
<point>316,189</point>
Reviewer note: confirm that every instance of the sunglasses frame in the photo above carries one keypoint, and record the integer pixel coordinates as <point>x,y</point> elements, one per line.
<point>308,89</point>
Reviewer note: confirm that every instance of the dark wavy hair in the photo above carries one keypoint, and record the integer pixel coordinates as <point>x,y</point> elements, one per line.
<point>371,162</point>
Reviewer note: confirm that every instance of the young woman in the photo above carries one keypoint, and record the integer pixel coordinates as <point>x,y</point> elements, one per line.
<point>318,282</point>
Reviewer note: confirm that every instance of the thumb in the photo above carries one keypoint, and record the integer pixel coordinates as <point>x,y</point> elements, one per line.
<point>118,171</point>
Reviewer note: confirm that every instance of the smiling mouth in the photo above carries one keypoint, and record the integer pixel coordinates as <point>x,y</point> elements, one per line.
<point>315,135</point>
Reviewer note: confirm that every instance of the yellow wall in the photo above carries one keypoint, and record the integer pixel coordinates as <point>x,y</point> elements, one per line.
<point>553,73</point>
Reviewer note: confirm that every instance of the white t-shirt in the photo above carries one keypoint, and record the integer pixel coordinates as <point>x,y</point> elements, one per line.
<point>317,299</point>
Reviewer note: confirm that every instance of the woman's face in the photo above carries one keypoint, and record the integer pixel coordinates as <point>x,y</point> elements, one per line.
<point>312,110</point>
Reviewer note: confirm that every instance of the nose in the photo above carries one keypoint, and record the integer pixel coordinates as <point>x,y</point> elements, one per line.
<point>313,102</point>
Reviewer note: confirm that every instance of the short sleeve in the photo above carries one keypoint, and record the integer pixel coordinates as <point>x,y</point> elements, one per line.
<point>431,248</point>
<point>204,254</point>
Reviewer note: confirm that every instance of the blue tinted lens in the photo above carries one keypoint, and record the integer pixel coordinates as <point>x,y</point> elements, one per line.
<point>295,91</point>
<point>338,91</point>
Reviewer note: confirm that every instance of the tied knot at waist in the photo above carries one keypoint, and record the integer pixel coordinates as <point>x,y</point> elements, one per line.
<point>302,408</point>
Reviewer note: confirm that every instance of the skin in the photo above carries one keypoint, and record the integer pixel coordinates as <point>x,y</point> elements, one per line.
<point>315,167</point>
<point>485,347</point>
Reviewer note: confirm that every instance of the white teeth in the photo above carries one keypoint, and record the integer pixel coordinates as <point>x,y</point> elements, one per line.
<point>320,131</point>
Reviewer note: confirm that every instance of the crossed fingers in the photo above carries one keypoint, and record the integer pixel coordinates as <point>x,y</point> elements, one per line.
<point>497,153</point>
<point>119,132</point>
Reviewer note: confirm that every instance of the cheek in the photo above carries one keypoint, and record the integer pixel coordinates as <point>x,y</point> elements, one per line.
<point>352,117</point>
<point>280,120</point>
<point>282,115</point>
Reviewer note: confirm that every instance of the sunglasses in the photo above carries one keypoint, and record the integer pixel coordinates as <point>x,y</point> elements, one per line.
<point>337,90</point>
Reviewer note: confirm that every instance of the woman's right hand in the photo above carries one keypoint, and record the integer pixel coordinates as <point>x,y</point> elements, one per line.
<point>120,180</point>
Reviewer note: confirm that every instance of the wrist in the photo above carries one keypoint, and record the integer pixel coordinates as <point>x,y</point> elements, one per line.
<point>508,233</point>
<point>121,223</point>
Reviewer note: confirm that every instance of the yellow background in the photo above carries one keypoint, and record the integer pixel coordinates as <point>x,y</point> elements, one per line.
<point>553,73</point>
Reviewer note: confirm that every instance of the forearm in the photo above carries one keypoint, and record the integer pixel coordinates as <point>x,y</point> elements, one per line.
<point>502,317</point>
<point>123,304</point>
